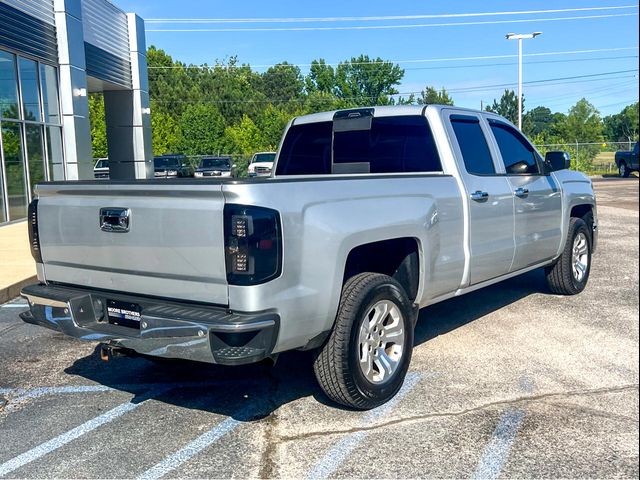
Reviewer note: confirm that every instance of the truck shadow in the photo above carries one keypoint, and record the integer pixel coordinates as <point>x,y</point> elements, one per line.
<point>254,392</point>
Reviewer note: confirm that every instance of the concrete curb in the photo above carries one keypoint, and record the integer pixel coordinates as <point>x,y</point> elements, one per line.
<point>12,291</point>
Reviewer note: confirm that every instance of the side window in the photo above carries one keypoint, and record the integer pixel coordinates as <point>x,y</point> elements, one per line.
<point>393,145</point>
<point>517,154</point>
<point>306,150</point>
<point>473,145</point>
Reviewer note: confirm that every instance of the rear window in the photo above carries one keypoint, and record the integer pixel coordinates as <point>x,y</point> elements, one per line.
<point>392,145</point>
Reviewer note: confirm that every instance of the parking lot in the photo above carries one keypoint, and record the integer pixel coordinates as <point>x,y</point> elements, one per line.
<point>508,381</point>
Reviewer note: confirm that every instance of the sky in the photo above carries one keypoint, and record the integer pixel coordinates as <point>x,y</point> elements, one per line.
<point>603,67</point>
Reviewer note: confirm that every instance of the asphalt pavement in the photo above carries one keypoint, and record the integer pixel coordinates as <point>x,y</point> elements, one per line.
<point>509,381</point>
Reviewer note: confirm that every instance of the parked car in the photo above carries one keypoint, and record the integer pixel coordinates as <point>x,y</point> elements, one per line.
<point>101,168</point>
<point>371,214</point>
<point>627,162</point>
<point>172,166</point>
<point>214,167</point>
<point>261,164</point>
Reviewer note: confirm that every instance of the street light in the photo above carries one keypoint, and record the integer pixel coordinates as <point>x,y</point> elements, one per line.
<point>520,37</point>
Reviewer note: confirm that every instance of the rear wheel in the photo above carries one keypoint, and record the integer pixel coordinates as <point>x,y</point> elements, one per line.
<point>623,170</point>
<point>365,359</point>
<point>570,273</point>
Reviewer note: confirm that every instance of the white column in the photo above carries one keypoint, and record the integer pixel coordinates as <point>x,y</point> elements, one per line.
<point>128,116</point>
<point>73,90</point>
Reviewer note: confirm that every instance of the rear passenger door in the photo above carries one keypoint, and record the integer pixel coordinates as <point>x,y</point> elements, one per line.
<point>537,197</point>
<point>489,198</point>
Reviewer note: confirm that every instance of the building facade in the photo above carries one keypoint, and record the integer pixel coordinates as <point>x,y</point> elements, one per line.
<point>53,54</point>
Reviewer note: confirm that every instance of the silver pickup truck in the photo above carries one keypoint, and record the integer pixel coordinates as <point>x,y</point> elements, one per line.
<point>369,215</point>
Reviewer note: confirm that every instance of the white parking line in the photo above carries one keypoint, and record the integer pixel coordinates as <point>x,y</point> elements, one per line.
<point>190,450</point>
<point>61,440</point>
<point>496,452</point>
<point>334,457</point>
<point>14,305</point>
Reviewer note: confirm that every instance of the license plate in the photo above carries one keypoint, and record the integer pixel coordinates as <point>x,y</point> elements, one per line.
<point>125,314</point>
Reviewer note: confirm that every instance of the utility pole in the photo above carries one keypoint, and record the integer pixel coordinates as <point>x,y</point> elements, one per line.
<point>520,37</point>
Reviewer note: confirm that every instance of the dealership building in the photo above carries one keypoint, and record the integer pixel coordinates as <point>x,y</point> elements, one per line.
<point>53,54</point>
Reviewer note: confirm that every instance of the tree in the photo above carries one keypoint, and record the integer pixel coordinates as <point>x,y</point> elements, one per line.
<point>623,126</point>
<point>431,96</point>
<point>583,125</point>
<point>537,121</point>
<point>98,126</point>
<point>202,127</point>
<point>282,83</point>
<point>364,82</point>
<point>272,122</point>
<point>507,107</point>
<point>321,78</point>
<point>245,137</point>
<point>166,132</point>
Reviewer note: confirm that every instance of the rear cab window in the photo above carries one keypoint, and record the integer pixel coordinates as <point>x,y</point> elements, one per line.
<point>396,144</point>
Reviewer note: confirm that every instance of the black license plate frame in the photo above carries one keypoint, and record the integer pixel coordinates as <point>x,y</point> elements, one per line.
<point>124,314</point>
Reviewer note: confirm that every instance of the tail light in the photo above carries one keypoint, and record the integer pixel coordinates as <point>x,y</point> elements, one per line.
<point>34,237</point>
<point>253,244</point>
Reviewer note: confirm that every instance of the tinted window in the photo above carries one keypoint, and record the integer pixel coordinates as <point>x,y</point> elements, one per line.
<point>215,163</point>
<point>393,145</point>
<point>306,150</point>
<point>162,162</point>
<point>517,154</point>
<point>473,145</point>
<point>263,157</point>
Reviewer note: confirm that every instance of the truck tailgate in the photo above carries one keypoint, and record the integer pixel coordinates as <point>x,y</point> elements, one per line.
<point>174,246</point>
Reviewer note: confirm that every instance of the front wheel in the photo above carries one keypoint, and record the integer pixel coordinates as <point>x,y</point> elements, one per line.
<point>623,170</point>
<point>570,273</point>
<point>365,359</point>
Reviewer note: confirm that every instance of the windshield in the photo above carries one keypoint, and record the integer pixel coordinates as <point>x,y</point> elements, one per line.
<point>102,164</point>
<point>166,162</point>
<point>221,163</point>
<point>263,157</point>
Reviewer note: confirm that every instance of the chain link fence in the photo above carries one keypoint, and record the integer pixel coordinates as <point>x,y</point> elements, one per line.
<point>239,162</point>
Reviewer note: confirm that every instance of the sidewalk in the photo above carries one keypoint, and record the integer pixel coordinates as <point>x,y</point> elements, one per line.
<point>17,267</point>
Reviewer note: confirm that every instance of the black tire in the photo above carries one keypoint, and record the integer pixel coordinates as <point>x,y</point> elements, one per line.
<point>560,276</point>
<point>336,364</point>
<point>623,170</point>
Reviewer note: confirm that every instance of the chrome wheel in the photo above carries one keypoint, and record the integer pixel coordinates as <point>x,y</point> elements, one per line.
<point>381,341</point>
<point>622,169</point>
<point>580,256</point>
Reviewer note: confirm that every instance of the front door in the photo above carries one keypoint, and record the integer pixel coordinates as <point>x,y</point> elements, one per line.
<point>489,198</point>
<point>537,197</point>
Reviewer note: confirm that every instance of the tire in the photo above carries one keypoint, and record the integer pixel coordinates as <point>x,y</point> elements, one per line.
<point>337,364</point>
<point>623,170</point>
<point>562,277</point>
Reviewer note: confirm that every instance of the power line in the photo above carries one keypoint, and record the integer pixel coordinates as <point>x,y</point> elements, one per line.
<point>423,60</point>
<point>386,27</point>
<point>376,18</point>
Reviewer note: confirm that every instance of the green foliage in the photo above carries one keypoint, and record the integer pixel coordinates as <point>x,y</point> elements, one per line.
<point>623,126</point>
<point>98,126</point>
<point>282,84</point>
<point>166,132</point>
<point>507,106</point>
<point>365,82</point>
<point>202,129</point>
<point>537,121</point>
<point>431,96</point>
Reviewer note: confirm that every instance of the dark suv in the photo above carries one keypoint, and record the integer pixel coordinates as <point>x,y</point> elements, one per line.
<point>214,167</point>
<point>172,166</point>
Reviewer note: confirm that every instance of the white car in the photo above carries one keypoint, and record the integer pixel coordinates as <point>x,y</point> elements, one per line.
<point>101,168</point>
<point>261,164</point>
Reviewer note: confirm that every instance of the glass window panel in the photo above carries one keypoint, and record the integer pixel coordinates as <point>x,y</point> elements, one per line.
<point>8,86</point>
<point>30,92</point>
<point>54,150</point>
<point>517,153</point>
<point>35,155</point>
<point>306,150</point>
<point>49,80</point>
<point>473,145</point>
<point>14,167</point>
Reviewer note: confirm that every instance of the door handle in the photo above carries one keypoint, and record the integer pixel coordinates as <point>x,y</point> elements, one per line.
<point>479,196</point>
<point>521,192</point>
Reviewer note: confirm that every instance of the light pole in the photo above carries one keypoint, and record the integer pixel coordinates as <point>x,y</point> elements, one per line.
<point>520,37</point>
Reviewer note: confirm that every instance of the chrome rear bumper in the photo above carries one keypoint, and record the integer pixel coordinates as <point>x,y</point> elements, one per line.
<point>168,329</point>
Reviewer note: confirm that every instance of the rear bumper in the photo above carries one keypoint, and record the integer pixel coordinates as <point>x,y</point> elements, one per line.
<point>167,329</point>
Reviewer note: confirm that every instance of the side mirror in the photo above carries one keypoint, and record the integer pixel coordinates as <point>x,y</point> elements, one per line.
<point>555,161</point>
